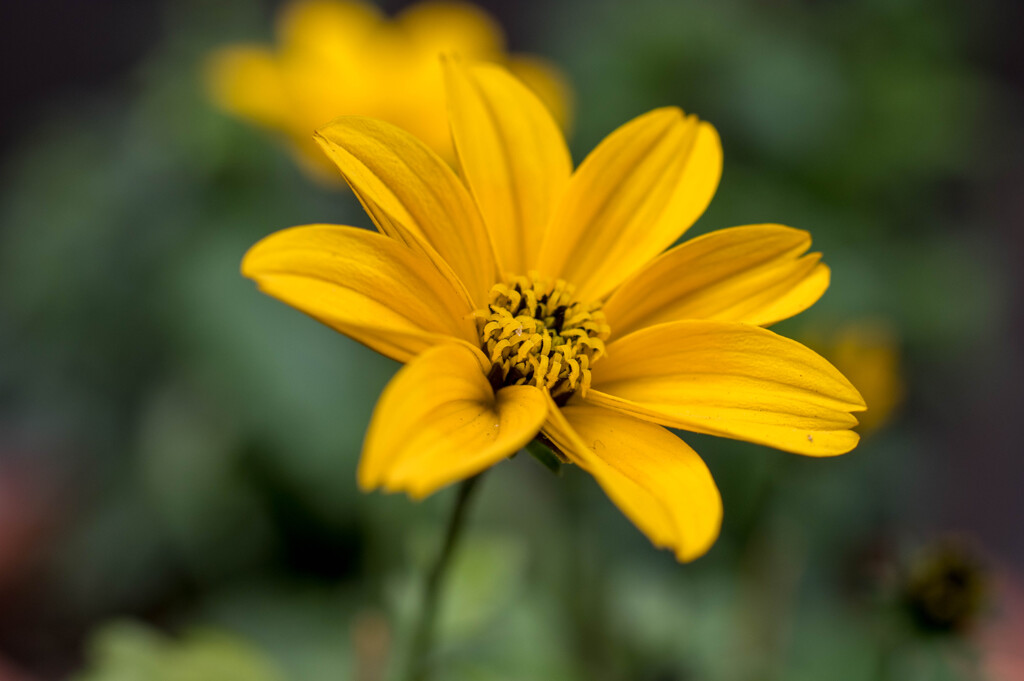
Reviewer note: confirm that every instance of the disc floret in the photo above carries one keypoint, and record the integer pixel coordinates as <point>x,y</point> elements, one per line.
<point>536,333</point>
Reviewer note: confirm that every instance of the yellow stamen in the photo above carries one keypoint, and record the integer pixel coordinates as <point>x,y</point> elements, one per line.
<point>537,333</point>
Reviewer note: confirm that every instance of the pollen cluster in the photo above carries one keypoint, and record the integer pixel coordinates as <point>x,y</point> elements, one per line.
<point>536,333</point>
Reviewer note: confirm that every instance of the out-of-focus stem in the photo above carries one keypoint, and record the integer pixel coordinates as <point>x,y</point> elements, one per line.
<point>423,634</point>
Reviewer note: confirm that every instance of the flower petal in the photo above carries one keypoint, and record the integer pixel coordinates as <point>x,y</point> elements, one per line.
<point>651,475</point>
<point>324,64</point>
<point>548,82</point>
<point>513,157</point>
<point>245,81</point>
<point>439,421</point>
<point>414,197</point>
<point>363,284</point>
<point>451,27</point>
<point>733,380</point>
<point>642,187</point>
<point>752,274</point>
<point>333,30</point>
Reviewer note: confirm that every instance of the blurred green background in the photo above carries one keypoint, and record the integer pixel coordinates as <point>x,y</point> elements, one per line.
<point>177,451</point>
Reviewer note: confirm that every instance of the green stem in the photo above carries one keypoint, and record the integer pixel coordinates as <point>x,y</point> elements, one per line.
<point>423,634</point>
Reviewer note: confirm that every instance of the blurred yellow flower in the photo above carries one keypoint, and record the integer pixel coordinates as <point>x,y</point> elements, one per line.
<point>530,300</point>
<point>868,353</point>
<point>340,57</point>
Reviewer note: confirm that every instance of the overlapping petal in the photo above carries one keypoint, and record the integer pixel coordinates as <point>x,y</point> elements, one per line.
<point>651,475</point>
<point>363,284</point>
<point>414,197</point>
<point>631,198</point>
<point>756,274</point>
<point>513,157</point>
<point>439,421</point>
<point>733,380</point>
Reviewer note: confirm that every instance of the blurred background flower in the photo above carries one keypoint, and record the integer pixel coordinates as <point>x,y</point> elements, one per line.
<point>346,57</point>
<point>868,353</point>
<point>180,451</point>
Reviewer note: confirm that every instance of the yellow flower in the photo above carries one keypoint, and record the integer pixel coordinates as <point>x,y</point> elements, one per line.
<point>530,300</point>
<point>344,57</point>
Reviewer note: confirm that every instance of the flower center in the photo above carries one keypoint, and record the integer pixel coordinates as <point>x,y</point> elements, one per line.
<point>537,333</point>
